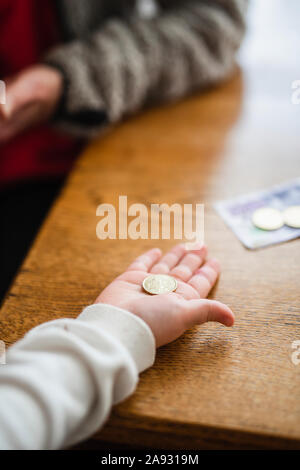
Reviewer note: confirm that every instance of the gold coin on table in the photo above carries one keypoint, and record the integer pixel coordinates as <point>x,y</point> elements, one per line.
<point>159,284</point>
<point>267,218</point>
<point>291,216</point>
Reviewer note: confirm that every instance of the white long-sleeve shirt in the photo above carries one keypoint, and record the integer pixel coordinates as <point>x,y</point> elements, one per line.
<point>60,381</point>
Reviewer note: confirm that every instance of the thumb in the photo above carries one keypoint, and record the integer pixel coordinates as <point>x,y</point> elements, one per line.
<point>203,310</point>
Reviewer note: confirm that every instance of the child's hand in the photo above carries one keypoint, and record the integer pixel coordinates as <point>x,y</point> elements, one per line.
<point>169,315</point>
<point>31,98</point>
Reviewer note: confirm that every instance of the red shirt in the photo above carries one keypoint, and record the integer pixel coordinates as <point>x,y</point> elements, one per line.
<point>28,28</point>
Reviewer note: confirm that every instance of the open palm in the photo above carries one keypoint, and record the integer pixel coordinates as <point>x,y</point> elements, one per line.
<point>169,315</point>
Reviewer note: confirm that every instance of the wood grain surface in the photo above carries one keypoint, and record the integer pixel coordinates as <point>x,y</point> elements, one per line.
<point>214,387</point>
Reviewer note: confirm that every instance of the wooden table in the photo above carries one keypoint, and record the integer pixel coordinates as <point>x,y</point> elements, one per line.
<point>214,387</point>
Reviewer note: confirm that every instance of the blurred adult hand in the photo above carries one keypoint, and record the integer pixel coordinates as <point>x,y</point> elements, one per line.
<point>31,98</point>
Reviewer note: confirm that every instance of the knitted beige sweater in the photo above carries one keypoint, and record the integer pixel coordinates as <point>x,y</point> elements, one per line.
<point>118,57</point>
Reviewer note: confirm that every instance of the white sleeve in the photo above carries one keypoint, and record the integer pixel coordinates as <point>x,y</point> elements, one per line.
<point>61,380</point>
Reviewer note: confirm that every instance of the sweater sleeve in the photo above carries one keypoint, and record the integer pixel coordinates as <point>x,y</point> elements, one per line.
<point>127,63</point>
<point>61,380</point>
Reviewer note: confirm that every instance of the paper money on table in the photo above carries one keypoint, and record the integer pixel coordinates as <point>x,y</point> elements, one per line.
<point>237,213</point>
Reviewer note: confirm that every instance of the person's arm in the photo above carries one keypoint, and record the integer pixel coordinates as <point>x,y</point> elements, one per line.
<point>124,65</point>
<point>61,380</point>
<point>87,84</point>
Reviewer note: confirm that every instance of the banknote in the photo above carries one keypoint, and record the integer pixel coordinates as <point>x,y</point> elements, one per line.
<point>237,213</point>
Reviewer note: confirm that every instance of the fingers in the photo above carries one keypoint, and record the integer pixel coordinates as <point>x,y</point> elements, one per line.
<point>3,106</point>
<point>205,277</point>
<point>169,260</point>
<point>177,262</point>
<point>24,119</point>
<point>22,90</point>
<point>145,261</point>
<point>189,263</point>
<point>2,111</point>
<point>19,112</point>
<point>203,310</point>
<point>18,94</point>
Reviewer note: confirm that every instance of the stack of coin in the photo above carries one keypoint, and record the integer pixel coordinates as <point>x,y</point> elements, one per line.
<point>291,216</point>
<point>268,218</point>
<point>159,284</point>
